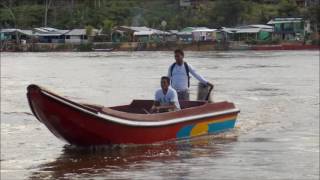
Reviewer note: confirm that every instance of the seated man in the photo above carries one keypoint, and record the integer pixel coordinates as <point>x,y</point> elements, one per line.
<point>166,98</point>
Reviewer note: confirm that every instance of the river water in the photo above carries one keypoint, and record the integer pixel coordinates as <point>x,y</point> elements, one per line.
<point>276,135</point>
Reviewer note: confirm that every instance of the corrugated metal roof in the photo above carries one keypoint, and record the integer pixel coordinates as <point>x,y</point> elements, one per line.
<point>261,26</point>
<point>144,30</point>
<point>248,30</point>
<point>135,28</point>
<point>173,31</point>
<point>8,30</point>
<point>190,29</point>
<point>49,30</point>
<point>150,32</point>
<point>184,33</point>
<point>63,31</point>
<point>46,34</point>
<point>160,32</point>
<point>284,20</point>
<point>267,30</point>
<point>40,30</point>
<point>76,32</point>
<point>26,32</point>
<point>279,22</point>
<point>204,30</point>
<point>143,33</point>
<point>187,29</point>
<point>288,19</point>
<point>229,30</point>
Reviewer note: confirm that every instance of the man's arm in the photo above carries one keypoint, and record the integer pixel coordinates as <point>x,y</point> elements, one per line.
<point>165,108</point>
<point>198,76</point>
<point>155,106</point>
<point>170,106</point>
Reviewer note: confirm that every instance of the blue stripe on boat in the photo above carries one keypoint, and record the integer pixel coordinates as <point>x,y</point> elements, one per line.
<point>221,126</point>
<point>185,131</point>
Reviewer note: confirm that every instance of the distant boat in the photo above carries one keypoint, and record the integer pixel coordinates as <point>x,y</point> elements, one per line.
<point>286,47</point>
<point>84,124</point>
<point>103,50</point>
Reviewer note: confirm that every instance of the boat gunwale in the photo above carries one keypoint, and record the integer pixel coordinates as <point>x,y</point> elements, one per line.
<point>128,122</point>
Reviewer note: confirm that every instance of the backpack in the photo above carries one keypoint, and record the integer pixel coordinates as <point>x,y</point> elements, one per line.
<point>187,70</point>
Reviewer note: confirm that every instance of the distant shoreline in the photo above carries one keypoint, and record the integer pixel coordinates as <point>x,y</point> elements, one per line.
<point>138,46</point>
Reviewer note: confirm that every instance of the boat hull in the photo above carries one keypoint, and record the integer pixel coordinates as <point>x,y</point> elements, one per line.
<point>286,47</point>
<point>84,126</point>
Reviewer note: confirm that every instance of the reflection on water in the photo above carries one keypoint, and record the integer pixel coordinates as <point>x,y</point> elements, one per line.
<point>277,130</point>
<point>105,161</point>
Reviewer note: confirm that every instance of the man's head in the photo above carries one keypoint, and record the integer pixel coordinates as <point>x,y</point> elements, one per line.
<point>178,55</point>
<point>165,82</point>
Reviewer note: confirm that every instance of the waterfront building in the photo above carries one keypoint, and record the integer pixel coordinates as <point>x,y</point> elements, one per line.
<point>49,35</point>
<point>201,34</point>
<point>254,32</point>
<point>79,36</point>
<point>204,34</point>
<point>137,34</point>
<point>290,29</point>
<point>13,35</point>
<point>185,34</point>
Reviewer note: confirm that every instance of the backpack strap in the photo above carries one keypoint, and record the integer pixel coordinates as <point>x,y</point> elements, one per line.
<point>171,69</point>
<point>187,71</point>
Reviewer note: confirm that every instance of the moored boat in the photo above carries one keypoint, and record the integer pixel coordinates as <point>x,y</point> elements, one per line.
<point>86,124</point>
<point>102,50</point>
<point>286,47</point>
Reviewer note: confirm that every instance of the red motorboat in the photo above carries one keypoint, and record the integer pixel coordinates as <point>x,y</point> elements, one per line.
<point>86,124</point>
<point>286,47</point>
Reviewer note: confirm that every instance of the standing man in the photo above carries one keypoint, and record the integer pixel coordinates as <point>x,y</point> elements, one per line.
<point>180,78</point>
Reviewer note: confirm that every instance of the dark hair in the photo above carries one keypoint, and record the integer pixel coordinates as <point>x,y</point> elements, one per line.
<point>180,51</point>
<point>166,78</point>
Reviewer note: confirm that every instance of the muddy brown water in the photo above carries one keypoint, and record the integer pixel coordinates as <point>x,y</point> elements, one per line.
<point>277,134</point>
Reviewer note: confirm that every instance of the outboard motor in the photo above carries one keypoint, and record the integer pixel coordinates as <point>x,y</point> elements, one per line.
<point>204,92</point>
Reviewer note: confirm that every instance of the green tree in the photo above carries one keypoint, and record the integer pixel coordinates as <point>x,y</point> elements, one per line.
<point>312,13</point>
<point>267,12</point>
<point>107,27</point>
<point>227,13</point>
<point>288,8</point>
<point>89,30</point>
<point>212,13</point>
<point>7,19</point>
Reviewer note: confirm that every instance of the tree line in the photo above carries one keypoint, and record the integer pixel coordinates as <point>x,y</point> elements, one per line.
<point>105,14</point>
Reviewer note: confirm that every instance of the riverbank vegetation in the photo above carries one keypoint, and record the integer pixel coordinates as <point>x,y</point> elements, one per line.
<point>105,14</point>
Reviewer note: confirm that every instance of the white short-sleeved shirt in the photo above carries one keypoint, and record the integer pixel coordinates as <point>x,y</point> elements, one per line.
<point>166,99</point>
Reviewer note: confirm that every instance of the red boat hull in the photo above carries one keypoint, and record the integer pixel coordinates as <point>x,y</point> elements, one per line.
<point>286,47</point>
<point>81,125</point>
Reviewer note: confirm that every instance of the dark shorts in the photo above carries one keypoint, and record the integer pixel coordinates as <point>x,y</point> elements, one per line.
<point>183,95</point>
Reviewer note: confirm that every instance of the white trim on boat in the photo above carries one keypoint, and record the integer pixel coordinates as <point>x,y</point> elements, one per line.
<point>163,123</point>
<point>143,123</point>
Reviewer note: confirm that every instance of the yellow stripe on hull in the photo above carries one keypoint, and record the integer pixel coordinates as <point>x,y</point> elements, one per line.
<point>203,127</point>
